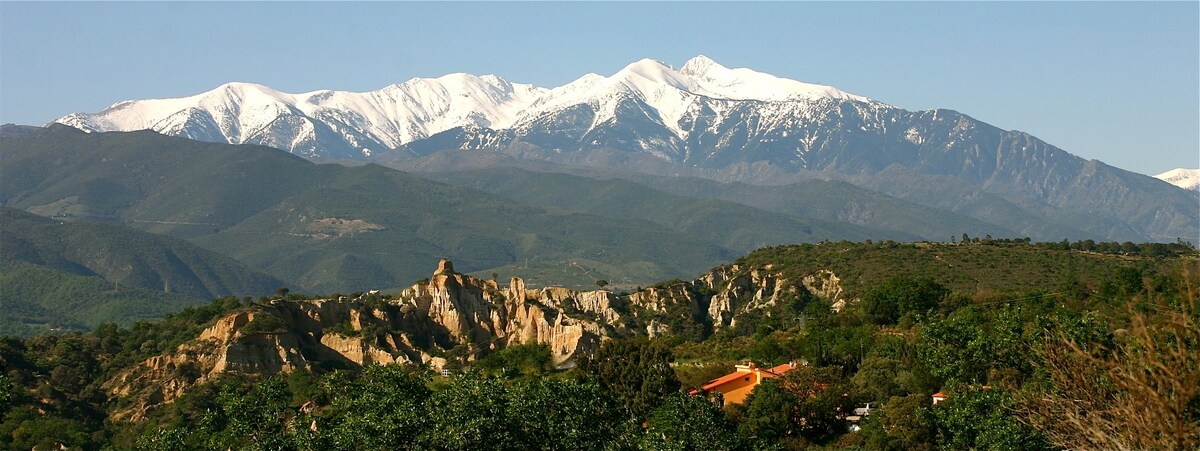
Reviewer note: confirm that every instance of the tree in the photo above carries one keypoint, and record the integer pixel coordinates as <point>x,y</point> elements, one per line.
<point>385,407</point>
<point>903,423</point>
<point>637,371</point>
<point>519,360</point>
<point>975,418</point>
<point>877,379</point>
<point>686,422</point>
<point>567,414</point>
<point>823,394</point>
<point>244,415</point>
<point>767,414</point>
<point>601,283</point>
<point>831,339</point>
<point>888,301</point>
<point>473,412</point>
<point>767,352</point>
<point>264,322</point>
<point>951,350</point>
<point>970,347</point>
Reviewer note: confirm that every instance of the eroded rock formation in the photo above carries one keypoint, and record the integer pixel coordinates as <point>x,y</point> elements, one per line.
<point>451,318</point>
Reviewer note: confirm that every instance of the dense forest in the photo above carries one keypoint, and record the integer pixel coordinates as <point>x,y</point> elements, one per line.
<point>1104,353</point>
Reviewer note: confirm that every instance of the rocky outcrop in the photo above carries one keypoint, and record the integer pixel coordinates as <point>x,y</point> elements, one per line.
<point>825,284</point>
<point>719,297</point>
<point>452,318</point>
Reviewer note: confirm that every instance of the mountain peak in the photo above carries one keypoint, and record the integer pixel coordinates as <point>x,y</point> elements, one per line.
<point>356,122</point>
<point>653,71</point>
<point>699,65</point>
<point>1182,177</point>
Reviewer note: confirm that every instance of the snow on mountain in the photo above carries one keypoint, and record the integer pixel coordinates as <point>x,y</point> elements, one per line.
<point>355,124</point>
<point>714,80</point>
<point>388,118</point>
<point>1181,177</point>
<point>668,92</point>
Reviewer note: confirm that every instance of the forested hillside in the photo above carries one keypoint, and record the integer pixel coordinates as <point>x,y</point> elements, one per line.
<point>324,227</point>
<point>1023,359</point>
<point>60,275</point>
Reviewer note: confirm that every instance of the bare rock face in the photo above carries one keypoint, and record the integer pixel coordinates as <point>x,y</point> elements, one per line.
<point>424,323</point>
<point>451,311</point>
<point>824,283</point>
<point>360,352</point>
<point>719,296</point>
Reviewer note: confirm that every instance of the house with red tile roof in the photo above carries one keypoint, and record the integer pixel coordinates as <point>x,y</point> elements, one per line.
<point>939,397</point>
<point>736,386</point>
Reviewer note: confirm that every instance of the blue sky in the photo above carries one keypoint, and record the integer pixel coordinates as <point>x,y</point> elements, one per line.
<point>1117,82</point>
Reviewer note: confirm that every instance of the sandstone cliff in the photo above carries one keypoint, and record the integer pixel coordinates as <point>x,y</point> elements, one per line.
<point>453,319</point>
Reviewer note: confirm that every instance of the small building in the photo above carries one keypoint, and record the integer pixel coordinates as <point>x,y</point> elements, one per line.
<point>942,396</point>
<point>938,397</point>
<point>736,386</point>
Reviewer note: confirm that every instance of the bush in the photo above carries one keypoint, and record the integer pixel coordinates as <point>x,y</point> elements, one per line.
<point>264,323</point>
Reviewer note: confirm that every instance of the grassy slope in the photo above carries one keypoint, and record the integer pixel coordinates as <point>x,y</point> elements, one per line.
<point>422,222</point>
<point>960,209</point>
<point>730,224</point>
<point>840,201</point>
<point>965,269</point>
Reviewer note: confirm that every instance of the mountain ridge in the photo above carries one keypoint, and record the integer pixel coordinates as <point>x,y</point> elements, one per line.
<point>735,124</point>
<point>372,122</point>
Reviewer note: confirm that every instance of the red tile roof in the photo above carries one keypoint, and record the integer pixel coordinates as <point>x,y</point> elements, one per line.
<point>780,369</point>
<point>774,371</point>
<point>725,379</point>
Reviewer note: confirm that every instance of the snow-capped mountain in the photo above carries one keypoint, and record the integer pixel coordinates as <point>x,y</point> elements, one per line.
<point>1181,177</point>
<point>356,125</point>
<point>323,123</point>
<point>729,124</point>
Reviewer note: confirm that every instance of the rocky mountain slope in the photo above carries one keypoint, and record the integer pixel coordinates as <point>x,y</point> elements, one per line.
<point>869,144</point>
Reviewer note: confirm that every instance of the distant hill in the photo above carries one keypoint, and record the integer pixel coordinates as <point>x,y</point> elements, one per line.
<point>733,225</point>
<point>327,228</point>
<point>17,130</point>
<point>78,275</point>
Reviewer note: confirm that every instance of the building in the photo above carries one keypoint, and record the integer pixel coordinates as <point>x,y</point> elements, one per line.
<point>942,396</point>
<point>939,397</point>
<point>736,386</point>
